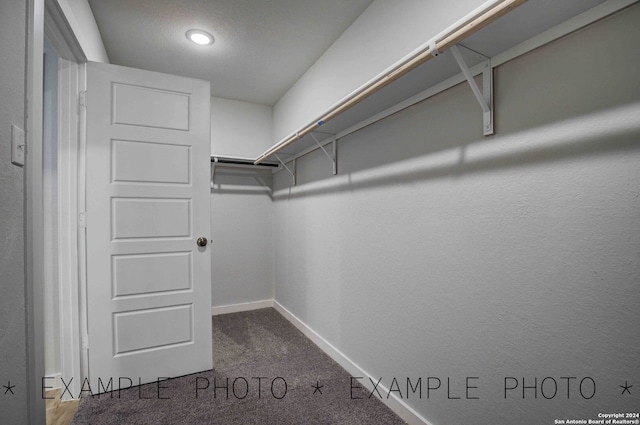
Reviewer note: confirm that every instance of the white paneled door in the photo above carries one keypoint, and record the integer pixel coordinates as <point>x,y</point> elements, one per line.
<point>147,197</point>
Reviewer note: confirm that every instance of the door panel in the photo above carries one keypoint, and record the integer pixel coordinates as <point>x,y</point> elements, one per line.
<point>150,107</point>
<point>147,184</point>
<point>132,162</point>
<point>135,218</point>
<point>152,328</point>
<point>151,273</point>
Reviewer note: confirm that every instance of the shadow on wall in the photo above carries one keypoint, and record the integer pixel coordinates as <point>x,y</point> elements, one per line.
<point>550,105</point>
<point>242,182</point>
<point>612,130</point>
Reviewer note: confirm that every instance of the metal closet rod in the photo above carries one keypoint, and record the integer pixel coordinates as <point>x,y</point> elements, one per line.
<point>242,162</point>
<point>481,17</point>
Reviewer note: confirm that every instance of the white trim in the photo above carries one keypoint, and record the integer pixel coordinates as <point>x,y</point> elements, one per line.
<point>398,406</point>
<point>60,34</point>
<point>236,308</point>
<point>82,243</point>
<point>68,224</point>
<point>66,45</point>
<point>34,217</point>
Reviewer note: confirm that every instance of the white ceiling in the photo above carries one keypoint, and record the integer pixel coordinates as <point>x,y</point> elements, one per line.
<point>262,47</point>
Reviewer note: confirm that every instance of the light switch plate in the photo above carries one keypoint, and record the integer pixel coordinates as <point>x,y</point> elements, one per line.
<point>17,146</point>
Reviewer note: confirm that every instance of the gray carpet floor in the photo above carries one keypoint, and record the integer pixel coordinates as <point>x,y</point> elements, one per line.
<point>265,372</point>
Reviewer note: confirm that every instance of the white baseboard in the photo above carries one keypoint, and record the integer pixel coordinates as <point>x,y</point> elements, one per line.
<point>398,406</point>
<point>236,308</point>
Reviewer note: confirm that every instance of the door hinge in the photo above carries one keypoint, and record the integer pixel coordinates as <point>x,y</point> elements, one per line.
<point>82,220</point>
<point>85,342</point>
<point>83,98</point>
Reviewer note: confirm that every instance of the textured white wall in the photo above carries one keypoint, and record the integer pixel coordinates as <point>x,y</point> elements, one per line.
<point>240,129</point>
<point>242,256</point>
<point>13,351</point>
<point>386,32</point>
<point>439,253</point>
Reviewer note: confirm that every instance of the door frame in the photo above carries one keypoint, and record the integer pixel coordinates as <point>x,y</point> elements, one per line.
<point>34,211</point>
<point>70,239</point>
<point>47,17</point>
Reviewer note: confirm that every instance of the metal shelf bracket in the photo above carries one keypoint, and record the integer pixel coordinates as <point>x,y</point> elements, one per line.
<point>484,97</point>
<point>333,158</point>
<point>293,173</point>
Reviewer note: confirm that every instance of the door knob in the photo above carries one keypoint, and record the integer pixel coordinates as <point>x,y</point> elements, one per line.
<point>202,241</point>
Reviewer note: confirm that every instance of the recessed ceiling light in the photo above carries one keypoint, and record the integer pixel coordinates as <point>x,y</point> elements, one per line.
<point>200,37</point>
